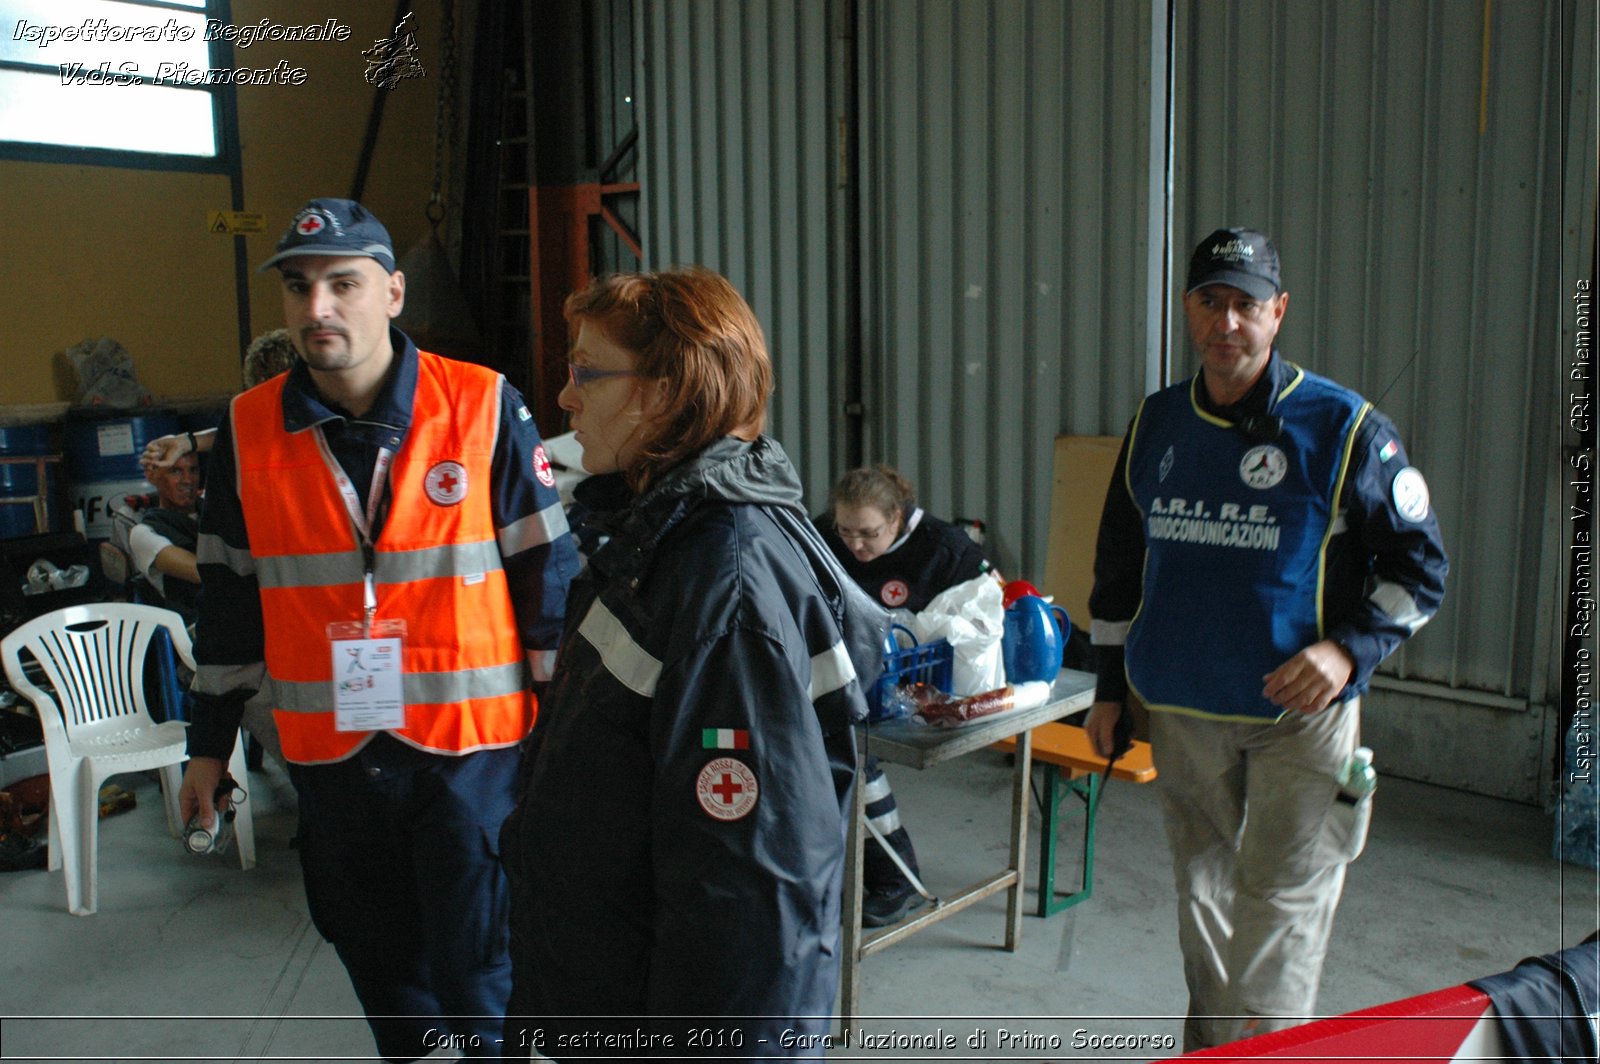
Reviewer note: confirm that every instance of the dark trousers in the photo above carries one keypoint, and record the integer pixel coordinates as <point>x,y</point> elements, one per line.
<point>879,872</point>
<point>400,852</point>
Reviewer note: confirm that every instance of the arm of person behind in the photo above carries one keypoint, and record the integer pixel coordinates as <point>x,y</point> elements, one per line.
<point>536,545</point>
<point>179,563</point>
<point>156,558</point>
<point>1118,587</point>
<point>162,451</point>
<point>229,641</point>
<point>145,545</point>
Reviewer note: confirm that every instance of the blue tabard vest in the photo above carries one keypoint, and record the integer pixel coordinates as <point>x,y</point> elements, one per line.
<point>1236,536</point>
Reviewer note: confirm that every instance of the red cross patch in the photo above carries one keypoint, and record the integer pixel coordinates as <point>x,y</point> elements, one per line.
<point>894,593</point>
<point>310,225</point>
<point>726,788</point>
<point>541,467</point>
<point>446,483</point>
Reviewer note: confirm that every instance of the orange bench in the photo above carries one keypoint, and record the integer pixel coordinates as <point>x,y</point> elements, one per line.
<point>1072,767</point>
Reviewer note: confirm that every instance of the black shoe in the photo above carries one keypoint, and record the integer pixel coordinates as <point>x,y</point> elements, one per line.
<point>882,908</point>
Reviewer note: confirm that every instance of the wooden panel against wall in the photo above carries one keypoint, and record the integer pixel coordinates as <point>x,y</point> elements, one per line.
<point>1083,467</point>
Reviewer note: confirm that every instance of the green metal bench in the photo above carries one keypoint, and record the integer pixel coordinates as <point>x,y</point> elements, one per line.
<point>1072,768</point>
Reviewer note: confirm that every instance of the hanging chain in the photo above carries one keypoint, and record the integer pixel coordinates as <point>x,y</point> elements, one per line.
<point>444,114</point>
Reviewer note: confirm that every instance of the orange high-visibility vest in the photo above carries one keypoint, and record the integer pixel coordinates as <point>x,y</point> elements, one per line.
<point>437,565</point>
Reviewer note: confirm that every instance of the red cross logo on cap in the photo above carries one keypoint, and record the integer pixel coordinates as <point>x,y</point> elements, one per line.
<point>726,789</point>
<point>310,225</point>
<point>541,467</point>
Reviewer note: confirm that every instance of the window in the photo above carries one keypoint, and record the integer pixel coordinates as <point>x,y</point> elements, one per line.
<point>115,82</point>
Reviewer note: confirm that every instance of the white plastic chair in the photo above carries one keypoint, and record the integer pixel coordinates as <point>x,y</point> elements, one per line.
<point>97,725</point>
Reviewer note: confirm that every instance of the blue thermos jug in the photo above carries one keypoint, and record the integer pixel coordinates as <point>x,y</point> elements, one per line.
<point>1035,639</point>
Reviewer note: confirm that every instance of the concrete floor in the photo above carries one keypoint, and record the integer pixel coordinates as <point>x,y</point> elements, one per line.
<point>189,958</point>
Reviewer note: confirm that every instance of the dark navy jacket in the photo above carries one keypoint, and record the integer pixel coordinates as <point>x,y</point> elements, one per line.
<point>1547,1006</point>
<point>677,851</point>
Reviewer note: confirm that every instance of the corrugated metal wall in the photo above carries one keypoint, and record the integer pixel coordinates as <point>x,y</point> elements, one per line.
<point>1001,185</point>
<point>1003,236</point>
<point>1405,154</point>
<point>736,117</point>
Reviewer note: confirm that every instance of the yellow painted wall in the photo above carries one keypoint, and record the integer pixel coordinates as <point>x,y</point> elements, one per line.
<point>99,252</point>
<point>96,251</point>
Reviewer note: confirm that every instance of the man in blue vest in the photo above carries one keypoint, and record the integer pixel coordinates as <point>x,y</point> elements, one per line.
<point>1264,545</point>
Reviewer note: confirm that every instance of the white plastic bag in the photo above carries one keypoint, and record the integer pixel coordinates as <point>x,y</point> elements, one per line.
<point>971,617</point>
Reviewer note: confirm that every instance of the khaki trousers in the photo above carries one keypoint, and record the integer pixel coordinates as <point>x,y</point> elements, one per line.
<point>1259,848</point>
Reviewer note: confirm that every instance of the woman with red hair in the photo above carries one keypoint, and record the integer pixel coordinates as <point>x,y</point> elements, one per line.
<point>677,851</point>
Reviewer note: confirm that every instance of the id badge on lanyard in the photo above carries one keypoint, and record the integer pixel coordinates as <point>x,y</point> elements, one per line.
<point>368,655</point>
<point>368,685</point>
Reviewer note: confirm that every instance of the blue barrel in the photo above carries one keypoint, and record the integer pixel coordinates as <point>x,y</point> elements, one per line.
<point>30,482</point>
<point>103,462</point>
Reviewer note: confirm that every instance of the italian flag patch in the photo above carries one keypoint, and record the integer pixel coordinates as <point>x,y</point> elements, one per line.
<point>1387,452</point>
<point>724,739</point>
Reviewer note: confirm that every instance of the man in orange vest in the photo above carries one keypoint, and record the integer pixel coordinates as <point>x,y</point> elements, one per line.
<point>384,556</point>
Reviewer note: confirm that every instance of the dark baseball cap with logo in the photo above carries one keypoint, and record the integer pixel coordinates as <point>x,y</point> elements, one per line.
<point>335,227</point>
<point>1242,258</point>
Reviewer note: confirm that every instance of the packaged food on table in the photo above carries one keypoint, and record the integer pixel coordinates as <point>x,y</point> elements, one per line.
<point>945,710</point>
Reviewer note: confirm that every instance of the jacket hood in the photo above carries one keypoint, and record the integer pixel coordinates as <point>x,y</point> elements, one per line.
<point>735,471</point>
<point>759,473</point>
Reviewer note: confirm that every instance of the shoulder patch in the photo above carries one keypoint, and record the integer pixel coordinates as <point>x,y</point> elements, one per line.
<point>724,739</point>
<point>726,789</point>
<point>541,467</point>
<point>1410,494</point>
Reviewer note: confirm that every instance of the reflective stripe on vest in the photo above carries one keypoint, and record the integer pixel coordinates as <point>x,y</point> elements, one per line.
<point>437,566</point>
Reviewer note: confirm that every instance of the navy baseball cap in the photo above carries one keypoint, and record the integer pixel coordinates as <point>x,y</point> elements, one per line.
<point>335,227</point>
<point>1242,258</point>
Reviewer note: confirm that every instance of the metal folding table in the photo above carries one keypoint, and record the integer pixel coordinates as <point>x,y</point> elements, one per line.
<point>920,746</point>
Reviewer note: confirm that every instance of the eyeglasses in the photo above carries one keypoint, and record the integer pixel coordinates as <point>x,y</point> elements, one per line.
<point>859,534</point>
<point>581,376</point>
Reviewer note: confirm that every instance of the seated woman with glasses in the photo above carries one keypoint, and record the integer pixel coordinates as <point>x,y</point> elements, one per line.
<point>676,854</point>
<point>899,554</point>
<point>902,557</point>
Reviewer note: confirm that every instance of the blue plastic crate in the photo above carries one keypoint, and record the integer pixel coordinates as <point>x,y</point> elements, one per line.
<point>930,663</point>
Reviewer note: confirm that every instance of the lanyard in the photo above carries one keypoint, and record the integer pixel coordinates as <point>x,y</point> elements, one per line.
<point>363,522</point>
